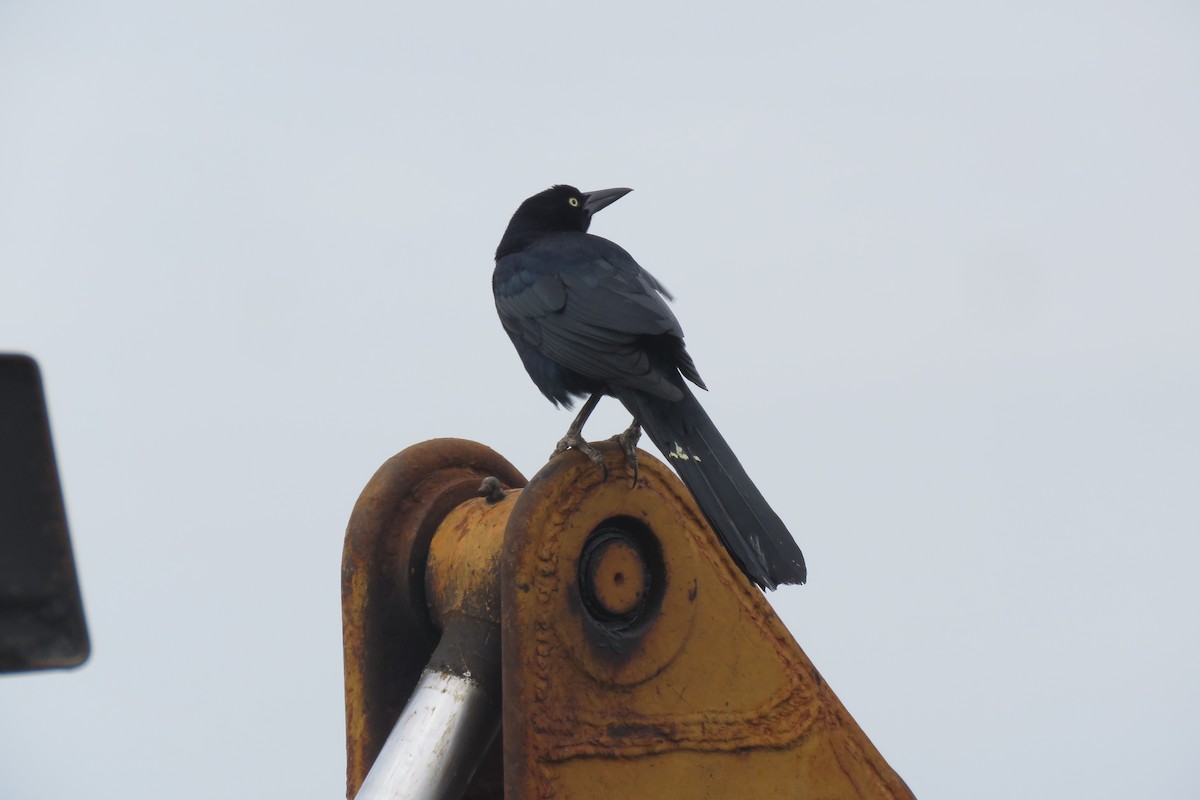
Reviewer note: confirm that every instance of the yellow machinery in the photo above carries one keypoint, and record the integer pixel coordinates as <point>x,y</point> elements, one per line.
<point>572,638</point>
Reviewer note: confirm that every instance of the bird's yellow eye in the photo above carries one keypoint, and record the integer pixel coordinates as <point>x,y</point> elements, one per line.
<point>574,201</point>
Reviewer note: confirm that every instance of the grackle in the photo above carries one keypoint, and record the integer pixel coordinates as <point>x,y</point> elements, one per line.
<point>588,321</point>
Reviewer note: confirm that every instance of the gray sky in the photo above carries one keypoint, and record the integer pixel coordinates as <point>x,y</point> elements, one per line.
<point>938,264</point>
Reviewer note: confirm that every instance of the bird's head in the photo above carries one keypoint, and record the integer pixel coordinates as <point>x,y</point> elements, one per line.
<point>562,208</point>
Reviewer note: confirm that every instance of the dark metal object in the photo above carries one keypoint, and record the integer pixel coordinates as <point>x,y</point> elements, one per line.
<point>41,612</point>
<point>491,490</point>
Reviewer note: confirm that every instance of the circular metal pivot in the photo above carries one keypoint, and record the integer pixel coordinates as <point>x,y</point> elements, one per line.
<point>615,579</point>
<point>592,571</point>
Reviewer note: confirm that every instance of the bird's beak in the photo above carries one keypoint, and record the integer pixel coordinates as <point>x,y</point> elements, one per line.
<point>594,201</point>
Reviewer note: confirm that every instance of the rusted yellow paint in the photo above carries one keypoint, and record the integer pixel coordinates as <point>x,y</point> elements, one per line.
<point>462,573</point>
<point>708,697</point>
<point>656,670</point>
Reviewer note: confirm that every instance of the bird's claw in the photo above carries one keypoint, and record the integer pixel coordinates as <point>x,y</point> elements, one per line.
<point>577,442</point>
<point>628,440</point>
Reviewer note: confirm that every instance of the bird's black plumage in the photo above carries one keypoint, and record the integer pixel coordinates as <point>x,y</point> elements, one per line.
<point>586,319</point>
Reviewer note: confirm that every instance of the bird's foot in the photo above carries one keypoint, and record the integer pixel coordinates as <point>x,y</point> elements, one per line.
<point>628,440</point>
<point>573,441</point>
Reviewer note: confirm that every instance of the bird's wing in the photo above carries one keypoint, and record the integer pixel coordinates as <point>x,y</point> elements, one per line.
<point>586,304</point>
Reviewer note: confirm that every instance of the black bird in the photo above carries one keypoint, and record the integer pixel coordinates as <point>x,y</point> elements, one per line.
<point>587,320</point>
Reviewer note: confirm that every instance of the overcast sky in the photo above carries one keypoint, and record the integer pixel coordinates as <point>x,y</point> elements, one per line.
<point>939,264</point>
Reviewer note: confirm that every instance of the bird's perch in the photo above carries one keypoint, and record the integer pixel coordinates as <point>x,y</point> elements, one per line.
<point>638,660</point>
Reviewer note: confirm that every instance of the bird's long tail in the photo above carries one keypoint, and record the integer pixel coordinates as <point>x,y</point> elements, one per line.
<point>750,530</point>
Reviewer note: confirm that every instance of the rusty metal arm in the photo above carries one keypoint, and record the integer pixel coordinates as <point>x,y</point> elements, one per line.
<point>421,626</point>
<point>637,659</point>
<point>454,713</point>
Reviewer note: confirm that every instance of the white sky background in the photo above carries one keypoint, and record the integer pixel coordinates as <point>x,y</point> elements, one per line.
<point>939,265</point>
